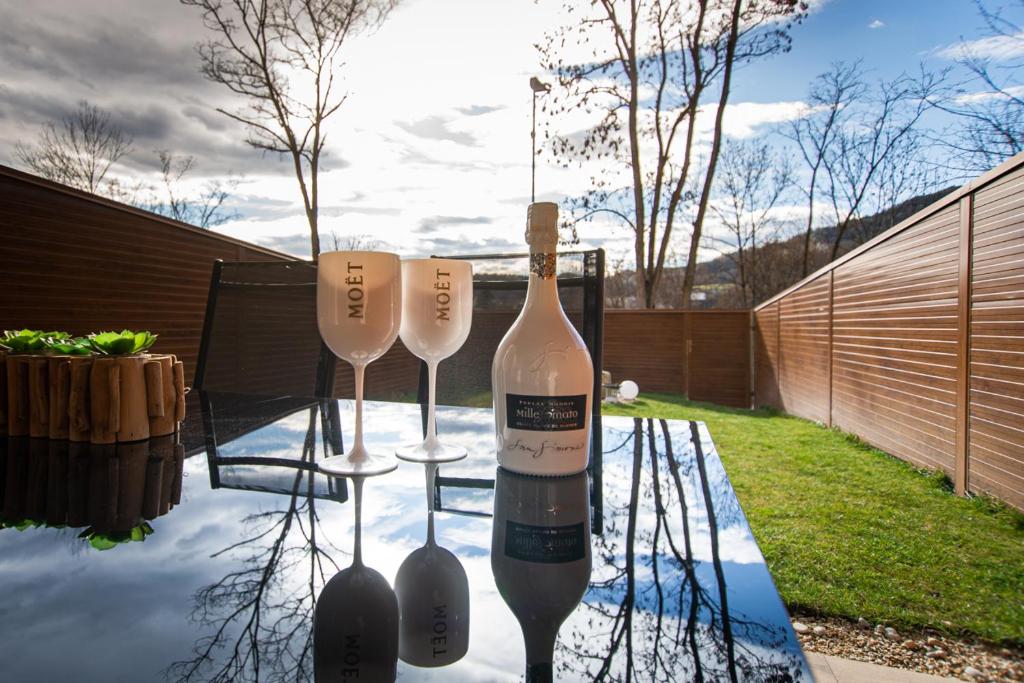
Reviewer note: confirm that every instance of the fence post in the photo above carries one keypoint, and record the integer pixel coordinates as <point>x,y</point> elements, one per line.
<point>831,290</point>
<point>963,347</point>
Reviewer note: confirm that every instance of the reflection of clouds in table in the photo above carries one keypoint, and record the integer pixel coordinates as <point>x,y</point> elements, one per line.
<point>144,591</point>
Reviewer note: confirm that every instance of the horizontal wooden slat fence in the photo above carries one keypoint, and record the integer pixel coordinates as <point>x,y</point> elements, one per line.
<point>78,262</point>
<point>915,341</point>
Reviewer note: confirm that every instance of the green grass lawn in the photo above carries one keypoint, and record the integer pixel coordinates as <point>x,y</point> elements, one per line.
<point>850,531</point>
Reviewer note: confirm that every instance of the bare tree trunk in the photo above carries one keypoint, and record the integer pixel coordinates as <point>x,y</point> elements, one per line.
<point>716,143</point>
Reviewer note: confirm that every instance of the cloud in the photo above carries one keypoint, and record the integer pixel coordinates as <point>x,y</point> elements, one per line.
<point>432,223</point>
<point>479,109</point>
<point>996,48</point>
<point>743,118</point>
<point>436,128</point>
<point>876,23</point>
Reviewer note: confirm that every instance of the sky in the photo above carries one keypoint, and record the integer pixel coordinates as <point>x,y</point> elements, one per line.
<point>430,154</point>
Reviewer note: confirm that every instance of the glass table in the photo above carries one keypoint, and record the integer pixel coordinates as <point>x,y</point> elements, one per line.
<point>202,557</point>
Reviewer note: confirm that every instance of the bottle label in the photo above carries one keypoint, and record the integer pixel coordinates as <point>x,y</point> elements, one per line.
<point>546,413</point>
<point>544,544</point>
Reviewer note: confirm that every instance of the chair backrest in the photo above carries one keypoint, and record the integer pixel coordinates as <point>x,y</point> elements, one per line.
<point>227,417</point>
<point>499,290</point>
<point>260,334</point>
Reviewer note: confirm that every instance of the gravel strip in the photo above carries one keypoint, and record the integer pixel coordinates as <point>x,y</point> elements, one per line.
<point>927,651</point>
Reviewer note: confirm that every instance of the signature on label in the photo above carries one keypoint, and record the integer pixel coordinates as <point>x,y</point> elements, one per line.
<point>544,447</point>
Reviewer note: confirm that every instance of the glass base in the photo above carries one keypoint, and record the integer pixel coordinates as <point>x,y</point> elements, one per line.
<point>435,452</point>
<point>368,465</point>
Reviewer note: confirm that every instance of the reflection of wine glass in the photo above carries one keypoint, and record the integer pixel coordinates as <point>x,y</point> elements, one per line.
<point>433,599</point>
<point>540,556</point>
<point>437,311</point>
<point>355,625</point>
<point>358,311</point>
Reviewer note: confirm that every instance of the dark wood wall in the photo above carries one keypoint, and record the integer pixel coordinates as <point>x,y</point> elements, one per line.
<point>704,355</point>
<point>915,341</point>
<point>76,262</point>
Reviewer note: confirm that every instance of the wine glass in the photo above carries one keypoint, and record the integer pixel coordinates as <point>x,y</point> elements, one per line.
<point>433,599</point>
<point>358,311</point>
<point>437,311</point>
<point>355,622</point>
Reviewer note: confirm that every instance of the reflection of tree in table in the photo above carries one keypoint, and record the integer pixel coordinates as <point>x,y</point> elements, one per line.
<point>260,621</point>
<point>656,615</point>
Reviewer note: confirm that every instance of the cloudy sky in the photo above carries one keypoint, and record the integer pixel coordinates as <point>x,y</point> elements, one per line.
<point>431,151</point>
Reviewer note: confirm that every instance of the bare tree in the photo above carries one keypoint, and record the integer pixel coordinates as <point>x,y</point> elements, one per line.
<point>752,181</point>
<point>353,242</point>
<point>655,65</point>
<point>282,55</point>
<point>205,209</point>
<point>78,151</point>
<point>828,105</point>
<point>883,125</point>
<point>989,102</point>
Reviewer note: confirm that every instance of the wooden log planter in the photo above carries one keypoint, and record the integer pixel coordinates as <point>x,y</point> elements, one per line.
<point>102,399</point>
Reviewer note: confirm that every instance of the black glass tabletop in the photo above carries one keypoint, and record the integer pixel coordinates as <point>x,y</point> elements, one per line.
<point>223,555</point>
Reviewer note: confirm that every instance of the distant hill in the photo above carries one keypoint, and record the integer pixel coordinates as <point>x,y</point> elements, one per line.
<point>715,277</point>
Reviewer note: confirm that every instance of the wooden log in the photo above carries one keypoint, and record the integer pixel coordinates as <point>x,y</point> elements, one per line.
<point>154,484</point>
<point>59,373</point>
<point>3,471</point>
<point>79,425</point>
<point>101,500</point>
<point>179,390</point>
<point>179,472</point>
<point>79,457</point>
<point>131,484</point>
<point>104,400</point>
<point>163,395</point>
<point>16,479</point>
<point>167,489</point>
<point>134,418</point>
<point>35,493</point>
<point>17,395</point>
<point>3,392</point>
<point>57,482</point>
<point>38,396</point>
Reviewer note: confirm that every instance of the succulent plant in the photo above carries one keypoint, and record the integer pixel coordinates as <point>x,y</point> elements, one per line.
<point>111,539</point>
<point>121,343</point>
<point>69,346</point>
<point>29,341</point>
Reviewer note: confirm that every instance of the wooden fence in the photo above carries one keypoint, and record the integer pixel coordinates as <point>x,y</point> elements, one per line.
<point>78,262</point>
<point>915,341</point>
<point>702,354</point>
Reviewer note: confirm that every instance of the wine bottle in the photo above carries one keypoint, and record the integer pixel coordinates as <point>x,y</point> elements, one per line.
<point>541,557</point>
<point>542,377</point>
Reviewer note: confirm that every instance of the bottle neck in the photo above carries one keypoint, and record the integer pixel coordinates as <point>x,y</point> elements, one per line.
<point>542,289</point>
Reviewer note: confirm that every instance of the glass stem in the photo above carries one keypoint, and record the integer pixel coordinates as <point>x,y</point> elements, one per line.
<point>357,552</point>
<point>357,449</point>
<point>431,475</point>
<point>431,439</point>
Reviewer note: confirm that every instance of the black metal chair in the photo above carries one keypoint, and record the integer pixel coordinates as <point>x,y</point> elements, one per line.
<point>260,334</point>
<point>227,417</point>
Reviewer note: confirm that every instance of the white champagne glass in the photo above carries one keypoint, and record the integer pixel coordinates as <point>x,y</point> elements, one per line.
<point>358,311</point>
<point>437,311</point>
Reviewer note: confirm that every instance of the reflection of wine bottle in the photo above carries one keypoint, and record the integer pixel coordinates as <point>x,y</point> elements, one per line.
<point>355,625</point>
<point>542,376</point>
<point>433,600</point>
<point>540,556</point>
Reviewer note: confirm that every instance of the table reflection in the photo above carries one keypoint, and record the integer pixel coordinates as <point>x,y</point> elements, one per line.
<point>677,588</point>
<point>111,492</point>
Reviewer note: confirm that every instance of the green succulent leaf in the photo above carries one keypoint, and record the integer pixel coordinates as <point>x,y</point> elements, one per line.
<point>121,343</point>
<point>22,341</point>
<point>78,346</point>
<point>111,539</point>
